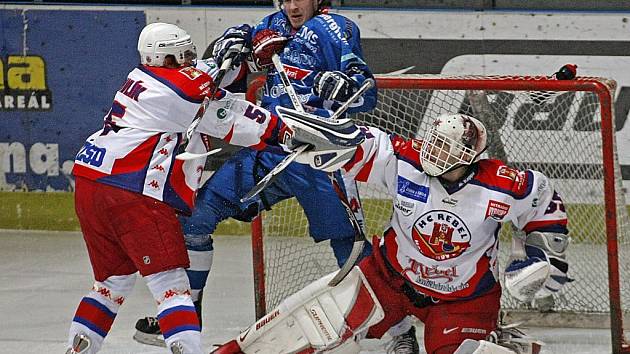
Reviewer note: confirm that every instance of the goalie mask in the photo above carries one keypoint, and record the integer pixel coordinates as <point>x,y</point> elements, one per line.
<point>454,140</point>
<point>158,40</point>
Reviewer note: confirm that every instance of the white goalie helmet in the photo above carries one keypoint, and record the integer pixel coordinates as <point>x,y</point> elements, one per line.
<point>453,140</point>
<point>157,40</point>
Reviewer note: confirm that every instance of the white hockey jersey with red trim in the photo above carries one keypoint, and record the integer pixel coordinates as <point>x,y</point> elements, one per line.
<point>444,239</point>
<point>135,150</point>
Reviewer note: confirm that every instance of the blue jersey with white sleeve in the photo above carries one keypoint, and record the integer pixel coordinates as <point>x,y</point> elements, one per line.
<point>326,42</point>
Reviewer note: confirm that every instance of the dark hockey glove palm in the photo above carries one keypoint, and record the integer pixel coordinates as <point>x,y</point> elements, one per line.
<point>334,85</point>
<point>226,47</point>
<point>566,72</point>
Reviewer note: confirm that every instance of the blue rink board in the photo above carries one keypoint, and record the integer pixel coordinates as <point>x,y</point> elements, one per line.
<point>87,55</point>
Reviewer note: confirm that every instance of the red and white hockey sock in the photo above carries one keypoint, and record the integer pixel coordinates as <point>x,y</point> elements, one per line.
<point>96,311</point>
<point>176,312</point>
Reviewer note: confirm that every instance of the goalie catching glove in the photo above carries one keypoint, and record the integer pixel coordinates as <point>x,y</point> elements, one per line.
<point>332,142</point>
<point>228,46</point>
<point>334,85</point>
<point>538,268</point>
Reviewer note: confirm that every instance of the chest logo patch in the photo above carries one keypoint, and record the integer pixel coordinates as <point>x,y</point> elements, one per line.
<point>497,210</point>
<point>411,190</point>
<point>405,207</point>
<point>441,235</point>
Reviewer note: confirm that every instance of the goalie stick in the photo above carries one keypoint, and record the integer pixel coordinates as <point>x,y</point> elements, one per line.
<point>204,105</point>
<point>359,236</point>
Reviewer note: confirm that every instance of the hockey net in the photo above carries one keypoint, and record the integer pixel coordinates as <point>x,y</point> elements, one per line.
<point>564,129</point>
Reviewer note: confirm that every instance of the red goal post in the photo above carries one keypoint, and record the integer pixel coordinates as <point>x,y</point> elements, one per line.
<point>563,128</point>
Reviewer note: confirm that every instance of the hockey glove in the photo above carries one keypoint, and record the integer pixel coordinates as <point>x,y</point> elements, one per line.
<point>332,142</point>
<point>265,44</point>
<point>225,47</point>
<point>566,72</point>
<point>334,85</point>
<point>543,271</point>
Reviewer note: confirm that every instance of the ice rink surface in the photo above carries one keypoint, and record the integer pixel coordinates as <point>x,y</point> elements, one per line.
<point>45,274</point>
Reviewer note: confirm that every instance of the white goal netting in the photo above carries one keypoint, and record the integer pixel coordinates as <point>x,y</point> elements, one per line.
<point>533,123</point>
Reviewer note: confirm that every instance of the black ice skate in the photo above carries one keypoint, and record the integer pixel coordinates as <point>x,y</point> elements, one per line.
<point>148,332</point>
<point>406,343</point>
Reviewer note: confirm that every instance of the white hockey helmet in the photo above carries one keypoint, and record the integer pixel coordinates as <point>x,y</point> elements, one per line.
<point>453,140</point>
<point>157,40</point>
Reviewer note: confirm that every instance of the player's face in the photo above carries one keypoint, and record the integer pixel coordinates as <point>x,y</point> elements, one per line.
<point>299,11</point>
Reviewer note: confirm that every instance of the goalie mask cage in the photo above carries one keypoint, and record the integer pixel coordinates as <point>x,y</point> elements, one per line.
<point>564,129</point>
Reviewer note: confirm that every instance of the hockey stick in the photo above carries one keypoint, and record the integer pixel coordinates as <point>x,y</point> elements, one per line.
<point>359,236</point>
<point>191,155</point>
<point>204,105</point>
<point>295,100</point>
<point>271,176</point>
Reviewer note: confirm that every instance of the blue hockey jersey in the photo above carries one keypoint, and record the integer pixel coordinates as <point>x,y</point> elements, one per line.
<point>326,42</point>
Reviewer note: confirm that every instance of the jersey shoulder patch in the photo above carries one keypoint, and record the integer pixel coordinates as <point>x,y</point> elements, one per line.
<point>494,174</point>
<point>407,150</point>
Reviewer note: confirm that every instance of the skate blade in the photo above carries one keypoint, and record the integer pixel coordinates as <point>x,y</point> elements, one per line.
<point>156,340</point>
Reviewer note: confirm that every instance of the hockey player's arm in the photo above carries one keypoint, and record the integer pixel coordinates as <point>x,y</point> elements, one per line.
<point>375,161</point>
<point>356,68</point>
<point>239,122</point>
<point>351,71</point>
<point>538,265</point>
<point>210,67</point>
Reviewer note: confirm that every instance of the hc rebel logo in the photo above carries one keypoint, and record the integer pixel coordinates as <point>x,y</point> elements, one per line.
<point>23,84</point>
<point>441,235</point>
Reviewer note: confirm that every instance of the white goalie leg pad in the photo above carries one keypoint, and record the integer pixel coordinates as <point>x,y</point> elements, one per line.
<point>320,317</point>
<point>506,338</point>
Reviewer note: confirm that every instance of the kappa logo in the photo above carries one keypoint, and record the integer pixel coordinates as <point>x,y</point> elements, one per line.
<point>497,210</point>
